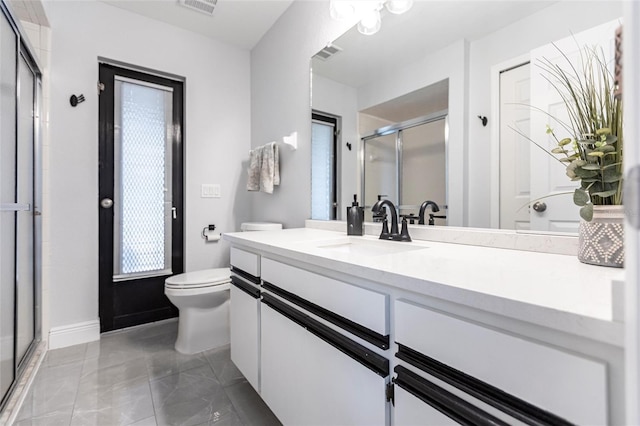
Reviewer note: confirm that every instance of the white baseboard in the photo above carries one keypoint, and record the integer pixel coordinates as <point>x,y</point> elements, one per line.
<point>74,334</point>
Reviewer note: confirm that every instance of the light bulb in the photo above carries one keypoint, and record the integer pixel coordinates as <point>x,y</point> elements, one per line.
<point>370,22</point>
<point>341,9</point>
<point>398,6</point>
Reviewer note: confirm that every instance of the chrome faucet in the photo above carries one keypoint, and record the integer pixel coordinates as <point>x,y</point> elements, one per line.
<point>394,235</point>
<point>423,207</point>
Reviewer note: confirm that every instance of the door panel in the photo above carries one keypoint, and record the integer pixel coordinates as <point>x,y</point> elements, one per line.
<point>8,92</point>
<point>18,77</point>
<point>380,171</point>
<point>423,166</point>
<point>547,175</point>
<point>514,148</point>
<point>141,196</point>
<point>323,167</point>
<point>25,326</point>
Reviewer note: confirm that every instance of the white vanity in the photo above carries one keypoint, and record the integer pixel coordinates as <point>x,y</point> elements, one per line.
<point>331,329</point>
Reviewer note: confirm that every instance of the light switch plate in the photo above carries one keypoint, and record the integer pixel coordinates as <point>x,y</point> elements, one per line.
<point>210,190</point>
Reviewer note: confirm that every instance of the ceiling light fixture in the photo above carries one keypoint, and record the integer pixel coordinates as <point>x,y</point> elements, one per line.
<point>398,6</point>
<point>370,22</point>
<point>367,12</point>
<point>340,9</point>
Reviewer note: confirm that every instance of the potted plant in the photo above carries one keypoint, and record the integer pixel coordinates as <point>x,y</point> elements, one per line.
<point>593,154</point>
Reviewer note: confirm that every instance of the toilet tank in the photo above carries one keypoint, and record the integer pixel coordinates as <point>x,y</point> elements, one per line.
<point>260,226</point>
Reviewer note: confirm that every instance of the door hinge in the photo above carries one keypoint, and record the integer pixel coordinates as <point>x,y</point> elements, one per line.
<point>100,87</point>
<point>389,393</point>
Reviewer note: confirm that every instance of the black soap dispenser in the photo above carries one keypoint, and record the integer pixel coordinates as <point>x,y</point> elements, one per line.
<point>355,218</point>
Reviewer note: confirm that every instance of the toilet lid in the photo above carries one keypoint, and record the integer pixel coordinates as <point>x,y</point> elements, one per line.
<point>203,278</point>
<point>260,226</point>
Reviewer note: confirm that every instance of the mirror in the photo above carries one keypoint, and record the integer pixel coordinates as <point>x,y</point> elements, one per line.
<point>439,56</point>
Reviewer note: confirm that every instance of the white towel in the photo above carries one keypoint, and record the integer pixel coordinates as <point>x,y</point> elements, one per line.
<point>270,170</point>
<point>255,163</point>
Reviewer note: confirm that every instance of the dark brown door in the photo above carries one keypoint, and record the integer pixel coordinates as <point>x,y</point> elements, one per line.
<point>140,196</point>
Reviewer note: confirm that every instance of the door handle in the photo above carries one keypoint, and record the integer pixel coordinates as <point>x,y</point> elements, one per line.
<point>539,206</point>
<point>106,203</point>
<point>174,212</point>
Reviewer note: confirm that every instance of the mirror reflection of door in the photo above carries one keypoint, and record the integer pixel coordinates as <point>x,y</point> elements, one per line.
<point>424,167</point>
<point>514,149</point>
<point>380,175</point>
<point>324,161</point>
<point>548,176</point>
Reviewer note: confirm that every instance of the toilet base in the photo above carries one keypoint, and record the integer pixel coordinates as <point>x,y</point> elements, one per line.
<point>202,329</point>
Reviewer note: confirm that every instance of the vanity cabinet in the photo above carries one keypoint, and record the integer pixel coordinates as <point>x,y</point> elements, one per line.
<point>326,345</point>
<point>526,380</point>
<point>313,371</point>
<point>245,314</point>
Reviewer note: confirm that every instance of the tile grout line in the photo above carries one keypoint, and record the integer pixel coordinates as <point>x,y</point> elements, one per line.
<point>75,399</point>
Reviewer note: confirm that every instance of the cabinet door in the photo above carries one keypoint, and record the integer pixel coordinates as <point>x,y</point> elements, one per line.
<point>307,381</point>
<point>245,331</point>
<point>565,384</point>
<point>409,410</point>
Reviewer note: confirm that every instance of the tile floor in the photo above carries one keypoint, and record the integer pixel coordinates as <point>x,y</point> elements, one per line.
<point>135,377</point>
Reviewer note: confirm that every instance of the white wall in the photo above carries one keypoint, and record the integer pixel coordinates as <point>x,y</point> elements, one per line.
<point>217,139</point>
<point>280,104</point>
<point>550,24</point>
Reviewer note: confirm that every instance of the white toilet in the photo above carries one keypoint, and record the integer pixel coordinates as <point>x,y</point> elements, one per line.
<point>202,297</point>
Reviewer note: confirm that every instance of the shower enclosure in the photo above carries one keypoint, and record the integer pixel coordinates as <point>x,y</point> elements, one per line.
<point>405,163</point>
<point>20,224</point>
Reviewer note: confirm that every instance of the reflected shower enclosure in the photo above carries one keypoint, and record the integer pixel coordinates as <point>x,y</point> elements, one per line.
<point>406,163</point>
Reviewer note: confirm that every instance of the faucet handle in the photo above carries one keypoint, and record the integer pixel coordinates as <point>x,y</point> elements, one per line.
<point>404,234</point>
<point>384,235</point>
<point>410,217</point>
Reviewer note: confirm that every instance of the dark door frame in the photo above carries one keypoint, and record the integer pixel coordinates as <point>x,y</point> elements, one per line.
<point>129,295</point>
<point>331,120</point>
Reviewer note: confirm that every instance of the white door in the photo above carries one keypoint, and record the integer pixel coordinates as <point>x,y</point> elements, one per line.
<point>514,148</point>
<point>547,174</point>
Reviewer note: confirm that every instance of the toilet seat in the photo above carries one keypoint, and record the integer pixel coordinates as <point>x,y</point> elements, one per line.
<point>199,279</point>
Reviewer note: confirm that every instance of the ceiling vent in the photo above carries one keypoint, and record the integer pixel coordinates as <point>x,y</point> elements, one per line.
<point>326,53</point>
<point>202,6</point>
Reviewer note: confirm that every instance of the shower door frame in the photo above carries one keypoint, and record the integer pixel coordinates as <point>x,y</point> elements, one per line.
<point>397,128</point>
<point>24,51</point>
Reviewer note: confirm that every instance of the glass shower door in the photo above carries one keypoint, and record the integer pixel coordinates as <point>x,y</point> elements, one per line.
<point>19,193</point>
<point>25,301</point>
<point>380,171</point>
<point>423,166</point>
<point>8,204</point>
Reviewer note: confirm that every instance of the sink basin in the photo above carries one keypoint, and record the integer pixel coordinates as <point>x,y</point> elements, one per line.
<point>367,247</point>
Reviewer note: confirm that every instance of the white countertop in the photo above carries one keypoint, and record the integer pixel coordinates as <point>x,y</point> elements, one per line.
<point>551,290</point>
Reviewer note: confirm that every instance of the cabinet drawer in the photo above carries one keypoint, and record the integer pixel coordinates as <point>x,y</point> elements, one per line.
<point>245,261</point>
<point>565,384</point>
<point>308,381</point>
<point>364,307</point>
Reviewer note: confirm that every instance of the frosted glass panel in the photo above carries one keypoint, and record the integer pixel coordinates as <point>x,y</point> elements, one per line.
<point>380,171</point>
<point>25,224</point>
<point>142,199</point>
<point>322,171</point>
<point>8,48</point>
<point>423,166</point>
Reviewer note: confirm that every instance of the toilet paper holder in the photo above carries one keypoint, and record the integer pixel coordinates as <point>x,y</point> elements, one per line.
<point>209,235</point>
